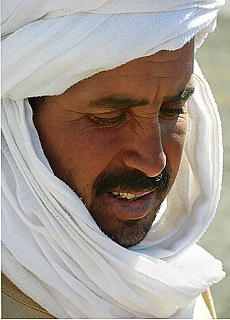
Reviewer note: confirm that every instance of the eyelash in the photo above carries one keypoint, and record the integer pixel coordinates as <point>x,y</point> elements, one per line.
<point>108,121</point>
<point>167,113</point>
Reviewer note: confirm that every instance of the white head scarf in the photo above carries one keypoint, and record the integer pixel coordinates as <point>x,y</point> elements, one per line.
<point>52,248</point>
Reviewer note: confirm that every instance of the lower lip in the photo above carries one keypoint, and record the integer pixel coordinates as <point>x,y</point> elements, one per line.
<point>130,210</point>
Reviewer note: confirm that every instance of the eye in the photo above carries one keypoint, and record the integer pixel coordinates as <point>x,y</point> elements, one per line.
<point>169,111</point>
<point>107,120</point>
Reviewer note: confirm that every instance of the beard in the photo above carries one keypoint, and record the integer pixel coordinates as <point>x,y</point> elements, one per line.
<point>129,232</point>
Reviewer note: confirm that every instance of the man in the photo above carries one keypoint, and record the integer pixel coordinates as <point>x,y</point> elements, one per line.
<point>106,183</point>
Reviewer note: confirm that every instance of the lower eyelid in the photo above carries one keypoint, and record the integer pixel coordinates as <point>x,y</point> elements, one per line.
<point>174,106</point>
<point>167,113</point>
<point>108,121</point>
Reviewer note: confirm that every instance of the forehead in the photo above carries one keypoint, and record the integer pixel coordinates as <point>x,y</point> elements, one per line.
<point>154,77</point>
<point>162,63</point>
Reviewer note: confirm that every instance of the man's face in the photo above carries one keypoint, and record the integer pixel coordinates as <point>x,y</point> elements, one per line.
<point>117,139</point>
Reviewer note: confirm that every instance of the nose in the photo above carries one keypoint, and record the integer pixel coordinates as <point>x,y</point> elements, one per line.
<point>146,154</point>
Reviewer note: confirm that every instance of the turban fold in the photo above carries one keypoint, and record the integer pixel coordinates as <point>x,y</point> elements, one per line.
<point>50,47</point>
<point>50,241</point>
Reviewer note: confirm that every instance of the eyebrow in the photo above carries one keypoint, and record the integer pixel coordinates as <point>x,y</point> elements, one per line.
<point>116,102</point>
<point>183,95</point>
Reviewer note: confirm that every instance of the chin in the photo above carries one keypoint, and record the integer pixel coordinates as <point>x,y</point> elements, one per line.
<point>128,233</point>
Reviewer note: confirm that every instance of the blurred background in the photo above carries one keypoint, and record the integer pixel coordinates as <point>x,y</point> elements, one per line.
<point>214,60</point>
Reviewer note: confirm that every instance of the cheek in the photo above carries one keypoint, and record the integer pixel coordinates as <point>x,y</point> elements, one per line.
<point>173,140</point>
<point>98,148</point>
<point>93,153</point>
<point>89,152</point>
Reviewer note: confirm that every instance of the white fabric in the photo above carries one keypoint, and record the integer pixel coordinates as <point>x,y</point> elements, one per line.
<point>63,50</point>
<point>52,248</point>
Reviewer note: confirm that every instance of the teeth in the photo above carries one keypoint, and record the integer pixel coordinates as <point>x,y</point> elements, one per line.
<point>124,195</point>
<point>130,196</point>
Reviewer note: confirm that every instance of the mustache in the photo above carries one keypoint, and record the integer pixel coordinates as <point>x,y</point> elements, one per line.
<point>135,180</point>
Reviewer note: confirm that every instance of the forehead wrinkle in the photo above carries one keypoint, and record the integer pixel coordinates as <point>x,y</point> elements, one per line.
<point>136,73</point>
<point>167,61</point>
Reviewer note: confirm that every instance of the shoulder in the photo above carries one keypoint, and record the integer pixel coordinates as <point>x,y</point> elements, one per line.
<point>17,305</point>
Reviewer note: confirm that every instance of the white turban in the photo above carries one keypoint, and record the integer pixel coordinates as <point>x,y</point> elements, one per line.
<point>52,248</point>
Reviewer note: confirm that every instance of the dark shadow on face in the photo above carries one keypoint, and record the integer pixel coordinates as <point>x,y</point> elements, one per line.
<point>127,233</point>
<point>134,180</point>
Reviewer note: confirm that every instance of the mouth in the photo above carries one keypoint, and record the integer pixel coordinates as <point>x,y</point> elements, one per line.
<point>129,205</point>
<point>126,203</point>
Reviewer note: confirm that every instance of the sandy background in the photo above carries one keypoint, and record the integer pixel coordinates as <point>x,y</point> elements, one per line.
<point>214,59</point>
